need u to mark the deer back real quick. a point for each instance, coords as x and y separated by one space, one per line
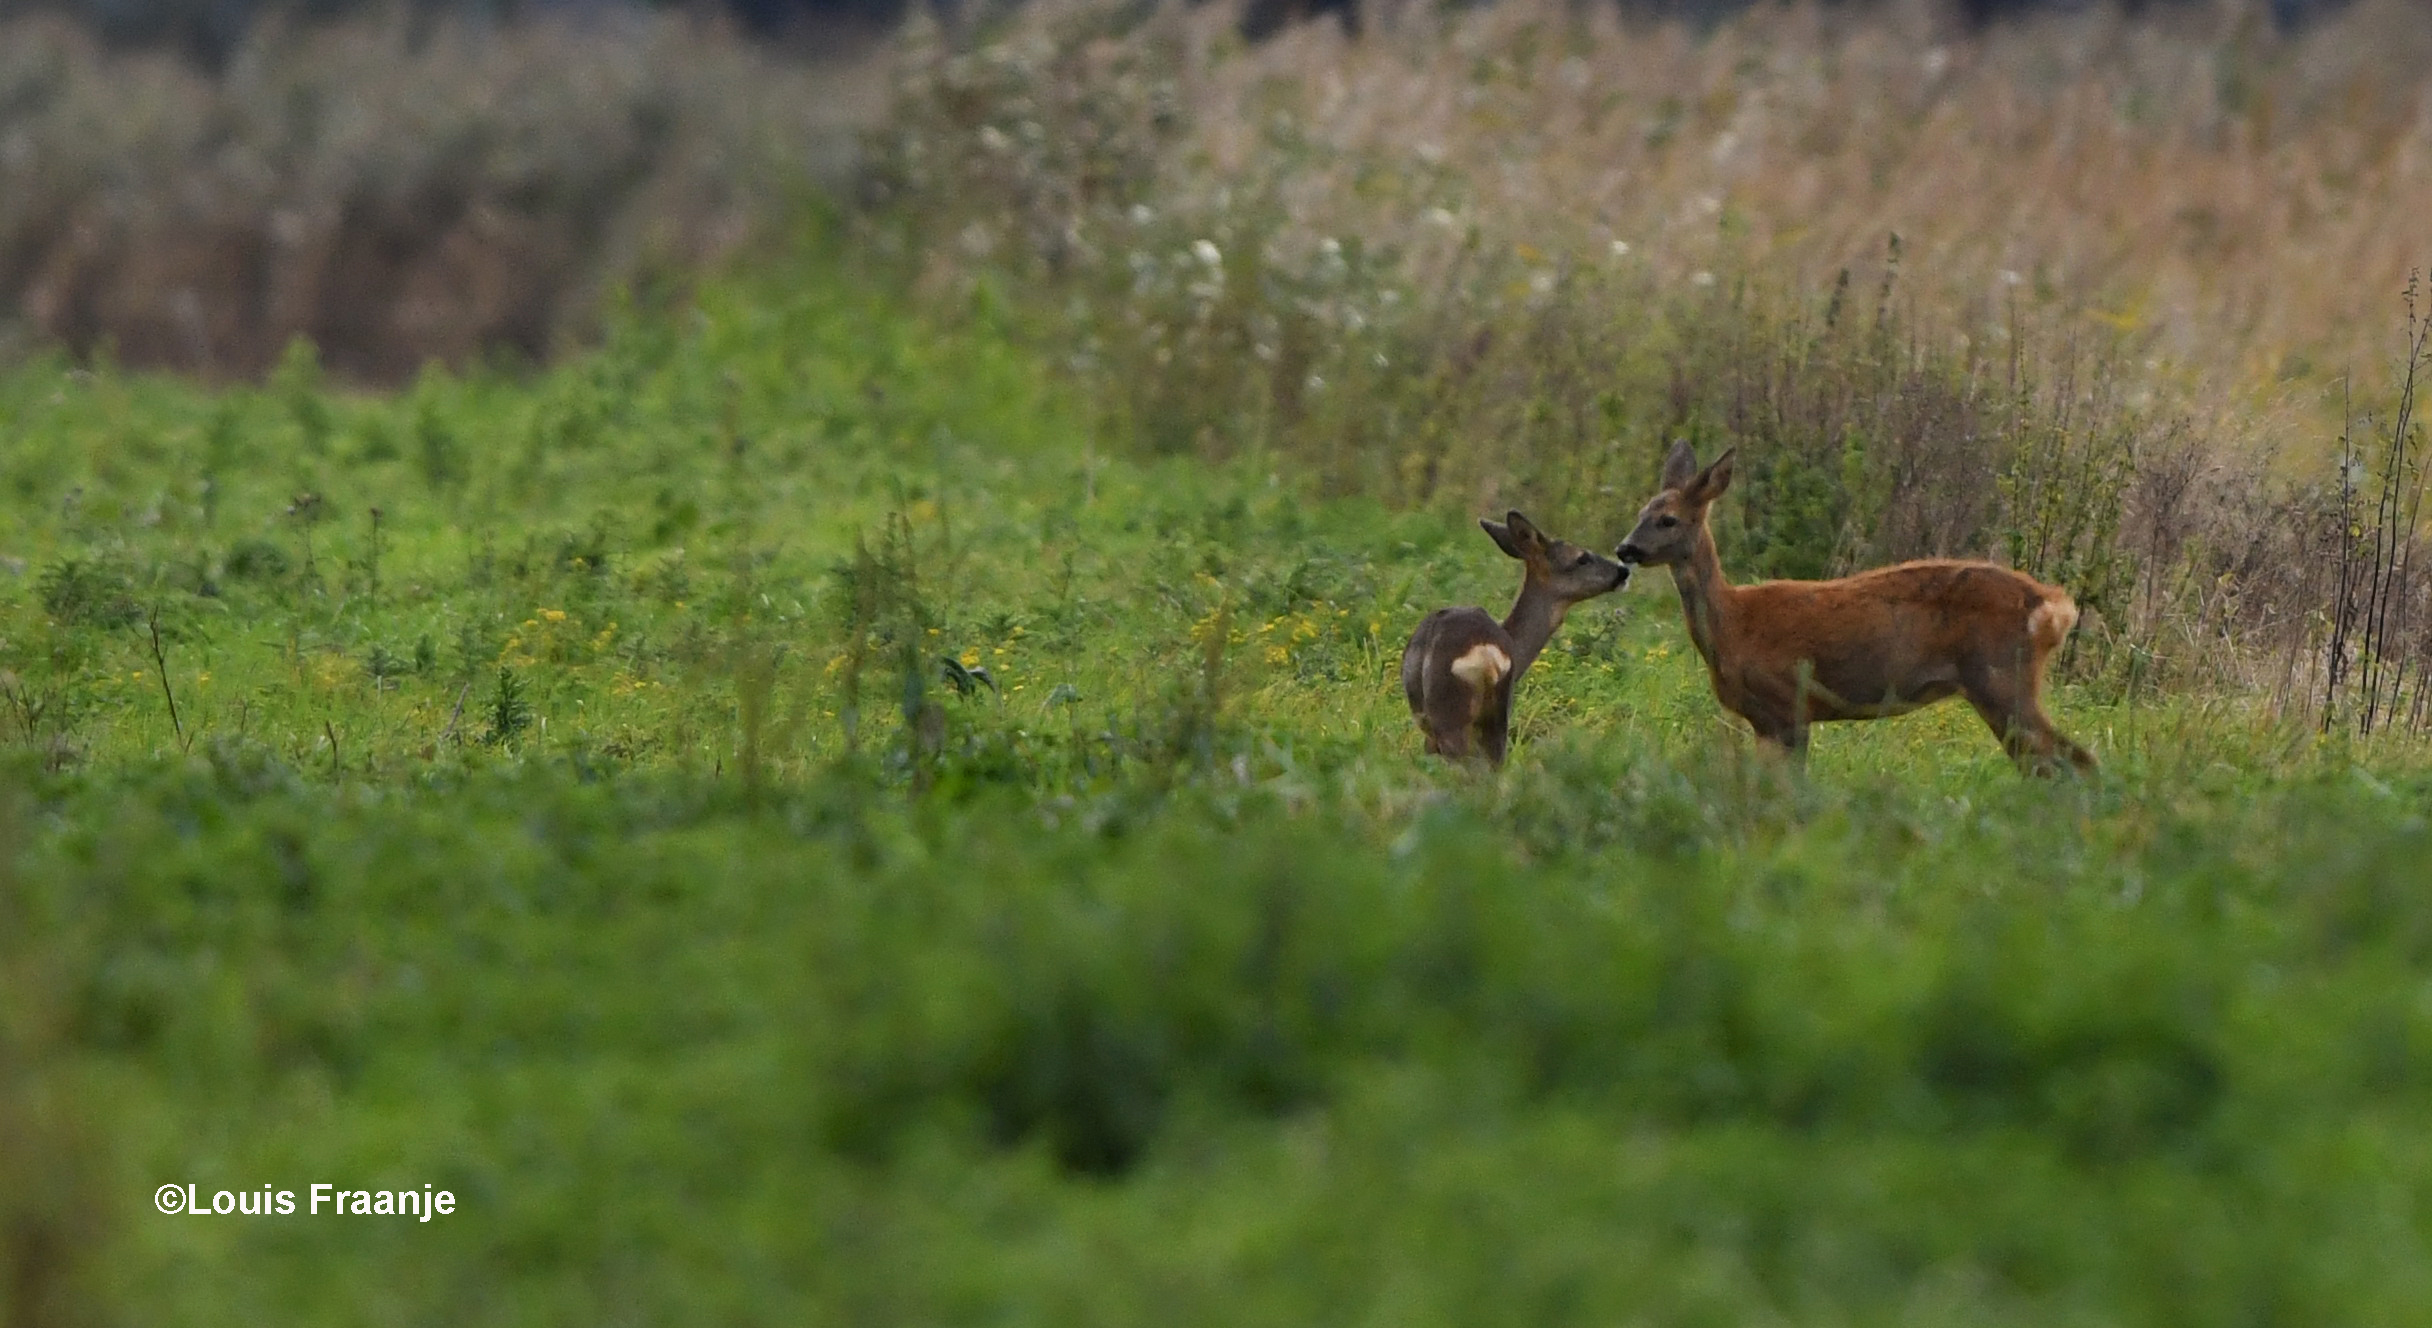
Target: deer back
1914 630
1455 648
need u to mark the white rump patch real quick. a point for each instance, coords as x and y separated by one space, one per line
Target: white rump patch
1482 665
2051 620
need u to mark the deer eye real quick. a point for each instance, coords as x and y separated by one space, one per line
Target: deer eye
1667 521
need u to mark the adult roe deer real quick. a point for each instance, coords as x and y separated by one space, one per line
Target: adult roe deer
1461 666
1786 654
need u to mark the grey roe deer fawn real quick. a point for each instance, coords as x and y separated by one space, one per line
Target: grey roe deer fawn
1461 666
1786 654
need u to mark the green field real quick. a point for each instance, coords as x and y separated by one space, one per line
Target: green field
568 803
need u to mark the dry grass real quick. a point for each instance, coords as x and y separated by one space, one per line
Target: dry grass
397 192
2245 207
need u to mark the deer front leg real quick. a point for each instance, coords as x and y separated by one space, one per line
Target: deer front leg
1777 729
1788 739
1778 719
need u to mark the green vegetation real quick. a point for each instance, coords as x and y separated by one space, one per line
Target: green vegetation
879 791
788 824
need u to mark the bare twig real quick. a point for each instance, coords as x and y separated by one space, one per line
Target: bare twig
336 767
375 558
458 713
2371 650
27 707
2402 429
160 660
2343 606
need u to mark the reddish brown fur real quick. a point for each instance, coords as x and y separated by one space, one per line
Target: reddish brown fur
1462 718
1786 654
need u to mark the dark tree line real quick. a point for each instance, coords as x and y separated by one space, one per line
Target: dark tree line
208 30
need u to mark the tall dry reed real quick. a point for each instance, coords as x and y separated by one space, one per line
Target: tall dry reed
397 190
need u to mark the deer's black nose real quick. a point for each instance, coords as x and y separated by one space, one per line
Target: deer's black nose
1630 553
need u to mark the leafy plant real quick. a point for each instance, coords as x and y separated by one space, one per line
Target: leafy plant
510 712
98 592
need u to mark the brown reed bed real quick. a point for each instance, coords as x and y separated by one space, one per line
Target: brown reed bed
398 191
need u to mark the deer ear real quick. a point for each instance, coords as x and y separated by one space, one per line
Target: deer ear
1715 478
1524 531
1502 537
1680 466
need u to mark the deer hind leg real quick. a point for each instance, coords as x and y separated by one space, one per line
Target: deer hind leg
1450 721
1431 732
1446 736
2078 757
2005 698
1495 725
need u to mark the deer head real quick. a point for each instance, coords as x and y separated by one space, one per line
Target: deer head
1669 525
1557 568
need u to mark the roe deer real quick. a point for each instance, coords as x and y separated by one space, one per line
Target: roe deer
1461 666
1786 654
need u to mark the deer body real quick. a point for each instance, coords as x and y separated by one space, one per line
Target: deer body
1461 667
1786 654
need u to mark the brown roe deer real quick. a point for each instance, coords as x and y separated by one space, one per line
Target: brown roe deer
1461 666
1786 654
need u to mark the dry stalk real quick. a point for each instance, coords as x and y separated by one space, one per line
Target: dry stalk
160 661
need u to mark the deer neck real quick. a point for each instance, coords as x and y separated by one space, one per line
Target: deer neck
1534 619
1705 596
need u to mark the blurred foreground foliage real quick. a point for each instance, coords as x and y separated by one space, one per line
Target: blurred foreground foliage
2042 1053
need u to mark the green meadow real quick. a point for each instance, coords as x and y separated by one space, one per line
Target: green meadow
789 824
